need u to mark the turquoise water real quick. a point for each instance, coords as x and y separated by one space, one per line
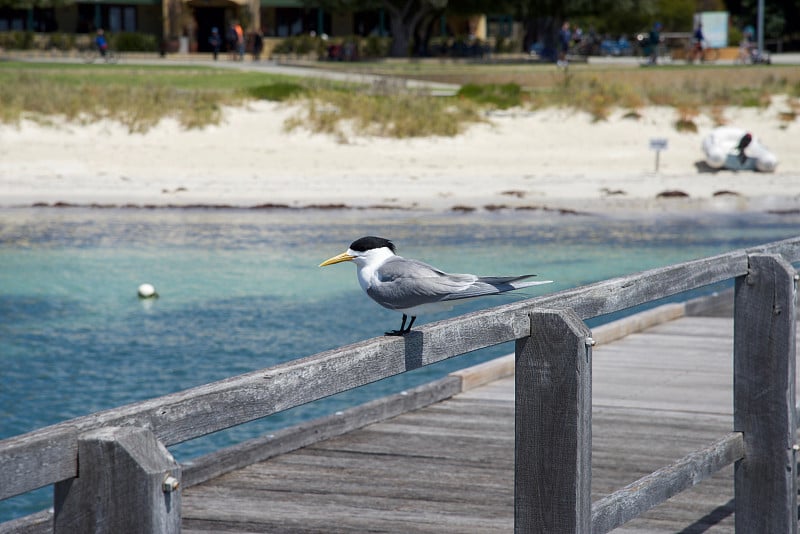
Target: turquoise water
240 290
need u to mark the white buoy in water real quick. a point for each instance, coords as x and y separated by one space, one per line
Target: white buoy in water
147 291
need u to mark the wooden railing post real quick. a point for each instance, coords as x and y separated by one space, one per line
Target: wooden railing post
764 396
127 482
553 473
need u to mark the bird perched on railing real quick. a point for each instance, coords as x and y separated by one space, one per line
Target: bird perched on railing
412 287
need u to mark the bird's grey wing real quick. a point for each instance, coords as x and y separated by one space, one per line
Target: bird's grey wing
407 283
492 285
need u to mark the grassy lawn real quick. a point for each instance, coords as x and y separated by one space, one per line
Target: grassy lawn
140 96
137 96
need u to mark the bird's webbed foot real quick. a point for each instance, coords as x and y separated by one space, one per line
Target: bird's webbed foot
403 330
395 333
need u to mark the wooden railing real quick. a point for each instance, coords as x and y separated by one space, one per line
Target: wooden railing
130 483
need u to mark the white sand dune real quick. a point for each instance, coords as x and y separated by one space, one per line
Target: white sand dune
554 158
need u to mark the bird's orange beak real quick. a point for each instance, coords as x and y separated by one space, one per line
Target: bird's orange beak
344 256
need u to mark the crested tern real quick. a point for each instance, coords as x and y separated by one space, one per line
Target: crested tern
412 287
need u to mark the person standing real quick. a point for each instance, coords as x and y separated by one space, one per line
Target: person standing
698 40
101 42
564 39
215 40
230 38
239 40
258 44
654 40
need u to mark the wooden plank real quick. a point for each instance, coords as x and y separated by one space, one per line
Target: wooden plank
404 467
719 304
325 511
647 492
764 396
553 428
789 249
486 372
39 458
648 370
351 478
450 484
259 449
435 493
621 328
121 487
38 523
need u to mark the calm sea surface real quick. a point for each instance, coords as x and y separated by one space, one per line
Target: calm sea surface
240 290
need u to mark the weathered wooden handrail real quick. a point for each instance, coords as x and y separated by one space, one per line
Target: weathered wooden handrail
553 416
49 455
637 497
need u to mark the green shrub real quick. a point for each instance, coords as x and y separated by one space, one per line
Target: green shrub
505 45
62 41
375 46
301 44
503 96
17 40
134 42
277 92
734 36
396 115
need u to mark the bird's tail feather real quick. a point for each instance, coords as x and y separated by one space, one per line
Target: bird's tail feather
496 280
493 285
516 282
520 285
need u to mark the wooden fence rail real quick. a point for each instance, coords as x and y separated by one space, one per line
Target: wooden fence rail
764 324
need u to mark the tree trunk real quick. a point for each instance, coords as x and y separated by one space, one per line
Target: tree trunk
403 23
401 38
542 30
423 37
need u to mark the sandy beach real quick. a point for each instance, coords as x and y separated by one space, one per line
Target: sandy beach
553 158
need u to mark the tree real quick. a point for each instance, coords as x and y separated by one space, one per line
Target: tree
676 15
405 18
29 4
543 18
780 17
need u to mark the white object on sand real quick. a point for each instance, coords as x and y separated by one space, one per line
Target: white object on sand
728 147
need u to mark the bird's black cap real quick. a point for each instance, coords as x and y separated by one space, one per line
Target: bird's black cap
371 242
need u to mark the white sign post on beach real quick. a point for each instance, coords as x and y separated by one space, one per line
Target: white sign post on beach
658 144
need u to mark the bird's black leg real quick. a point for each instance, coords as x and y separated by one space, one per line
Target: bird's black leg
403 330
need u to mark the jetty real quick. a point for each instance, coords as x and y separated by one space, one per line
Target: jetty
679 418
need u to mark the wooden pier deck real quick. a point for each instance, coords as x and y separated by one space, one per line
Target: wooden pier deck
658 394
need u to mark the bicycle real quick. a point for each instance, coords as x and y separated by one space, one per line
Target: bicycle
92 54
750 55
696 51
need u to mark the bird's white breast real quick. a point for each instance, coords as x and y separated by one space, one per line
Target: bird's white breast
368 265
